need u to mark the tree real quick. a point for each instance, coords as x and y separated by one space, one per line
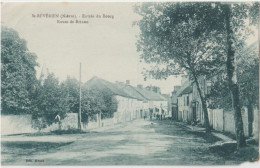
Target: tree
95 101
224 19
110 105
18 76
51 101
172 43
248 81
231 74
70 88
247 74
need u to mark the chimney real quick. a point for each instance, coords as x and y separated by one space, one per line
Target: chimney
127 82
140 86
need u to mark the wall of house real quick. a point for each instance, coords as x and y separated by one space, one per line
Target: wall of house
204 85
128 109
184 108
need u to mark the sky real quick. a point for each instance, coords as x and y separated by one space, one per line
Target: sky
105 46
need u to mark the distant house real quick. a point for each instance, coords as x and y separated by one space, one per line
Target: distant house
125 101
133 102
157 104
140 104
196 100
184 104
169 109
174 102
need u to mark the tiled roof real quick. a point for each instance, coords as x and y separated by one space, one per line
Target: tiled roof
102 84
186 90
130 90
167 96
150 95
124 90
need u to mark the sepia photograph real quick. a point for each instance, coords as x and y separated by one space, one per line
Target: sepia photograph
129 83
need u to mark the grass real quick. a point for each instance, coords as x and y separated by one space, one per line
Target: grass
56 132
69 131
229 151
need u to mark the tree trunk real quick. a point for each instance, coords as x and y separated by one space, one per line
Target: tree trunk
204 106
232 81
250 118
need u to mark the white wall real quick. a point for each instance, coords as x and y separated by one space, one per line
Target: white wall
16 124
185 111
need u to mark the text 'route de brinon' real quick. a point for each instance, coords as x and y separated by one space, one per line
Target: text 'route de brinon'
72 18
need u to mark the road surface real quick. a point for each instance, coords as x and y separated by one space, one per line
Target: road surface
137 142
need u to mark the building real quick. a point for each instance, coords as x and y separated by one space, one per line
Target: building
156 103
133 102
169 109
184 104
174 102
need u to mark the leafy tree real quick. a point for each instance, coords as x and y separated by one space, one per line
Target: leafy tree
248 78
71 89
93 101
98 101
247 75
18 76
223 19
50 102
234 27
172 43
218 97
111 106
248 81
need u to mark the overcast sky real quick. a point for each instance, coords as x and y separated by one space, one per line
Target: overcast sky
105 46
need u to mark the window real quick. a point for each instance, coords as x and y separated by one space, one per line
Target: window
187 100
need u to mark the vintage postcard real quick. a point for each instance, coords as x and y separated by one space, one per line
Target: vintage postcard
129 83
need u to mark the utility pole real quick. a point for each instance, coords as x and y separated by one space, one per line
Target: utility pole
79 116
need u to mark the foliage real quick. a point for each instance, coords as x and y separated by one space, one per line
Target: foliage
45 98
95 101
18 76
70 88
50 102
177 37
172 42
219 96
248 79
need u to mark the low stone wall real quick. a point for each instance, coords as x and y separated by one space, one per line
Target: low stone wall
69 122
16 124
224 121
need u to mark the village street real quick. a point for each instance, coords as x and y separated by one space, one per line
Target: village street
133 143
